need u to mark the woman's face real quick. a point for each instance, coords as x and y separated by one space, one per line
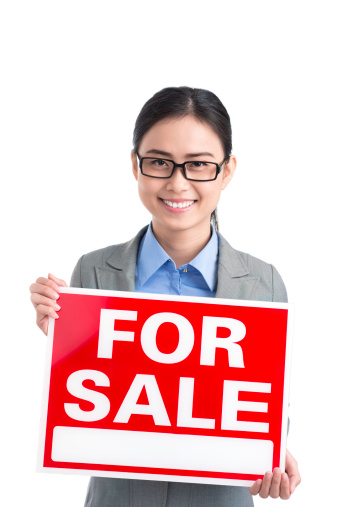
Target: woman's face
181 139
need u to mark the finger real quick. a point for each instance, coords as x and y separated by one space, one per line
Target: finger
43 311
60 282
38 299
39 281
294 482
44 290
47 282
43 327
42 323
275 483
285 487
291 467
266 484
255 488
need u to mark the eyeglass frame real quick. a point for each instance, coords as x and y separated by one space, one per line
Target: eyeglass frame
218 167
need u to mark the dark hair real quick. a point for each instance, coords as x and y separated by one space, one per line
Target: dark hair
176 102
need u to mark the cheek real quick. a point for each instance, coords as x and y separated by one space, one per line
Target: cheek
147 189
212 196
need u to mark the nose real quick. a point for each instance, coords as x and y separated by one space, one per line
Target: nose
178 182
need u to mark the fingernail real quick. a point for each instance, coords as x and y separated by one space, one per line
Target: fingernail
57 307
284 477
56 295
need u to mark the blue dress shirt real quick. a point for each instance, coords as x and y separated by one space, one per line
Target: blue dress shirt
156 271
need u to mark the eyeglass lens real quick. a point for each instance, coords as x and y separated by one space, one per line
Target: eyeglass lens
196 170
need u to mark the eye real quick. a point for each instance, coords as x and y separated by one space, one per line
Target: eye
158 162
197 165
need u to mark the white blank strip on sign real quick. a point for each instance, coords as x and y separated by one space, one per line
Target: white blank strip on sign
161 450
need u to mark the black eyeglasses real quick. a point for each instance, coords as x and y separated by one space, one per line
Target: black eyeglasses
194 170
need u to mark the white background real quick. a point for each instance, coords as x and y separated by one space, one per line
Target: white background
74 76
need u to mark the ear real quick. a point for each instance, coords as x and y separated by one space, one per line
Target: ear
134 163
228 171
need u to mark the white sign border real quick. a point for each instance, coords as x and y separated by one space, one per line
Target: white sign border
164 297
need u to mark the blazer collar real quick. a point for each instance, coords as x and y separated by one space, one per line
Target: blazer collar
233 281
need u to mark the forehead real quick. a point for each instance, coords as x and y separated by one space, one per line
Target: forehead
181 136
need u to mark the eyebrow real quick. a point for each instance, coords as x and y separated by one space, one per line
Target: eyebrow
167 154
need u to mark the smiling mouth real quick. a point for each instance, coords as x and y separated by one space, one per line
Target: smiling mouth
182 204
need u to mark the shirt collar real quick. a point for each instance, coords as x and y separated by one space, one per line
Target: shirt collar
151 257
206 261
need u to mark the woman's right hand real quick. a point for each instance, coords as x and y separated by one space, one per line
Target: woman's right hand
44 296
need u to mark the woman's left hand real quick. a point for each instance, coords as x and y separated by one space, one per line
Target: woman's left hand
278 484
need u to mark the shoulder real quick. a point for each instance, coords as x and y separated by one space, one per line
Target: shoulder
268 282
116 256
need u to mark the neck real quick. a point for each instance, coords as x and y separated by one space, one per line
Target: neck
182 246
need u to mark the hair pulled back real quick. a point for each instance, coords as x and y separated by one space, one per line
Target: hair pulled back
178 102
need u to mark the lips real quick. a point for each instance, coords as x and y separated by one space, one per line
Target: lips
178 204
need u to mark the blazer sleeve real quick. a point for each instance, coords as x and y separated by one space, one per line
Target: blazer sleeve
75 280
279 293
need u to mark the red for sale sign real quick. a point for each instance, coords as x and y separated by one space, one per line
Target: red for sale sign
149 386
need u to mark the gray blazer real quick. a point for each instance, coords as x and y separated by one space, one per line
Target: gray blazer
240 276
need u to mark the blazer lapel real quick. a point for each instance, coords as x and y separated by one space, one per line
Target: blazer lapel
119 274
233 281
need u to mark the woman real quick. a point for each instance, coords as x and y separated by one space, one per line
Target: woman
182 162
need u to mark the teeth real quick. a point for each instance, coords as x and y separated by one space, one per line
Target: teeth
184 204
